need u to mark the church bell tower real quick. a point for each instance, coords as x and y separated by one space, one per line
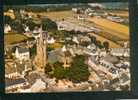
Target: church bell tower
41 51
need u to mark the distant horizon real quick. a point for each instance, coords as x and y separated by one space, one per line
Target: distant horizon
106 5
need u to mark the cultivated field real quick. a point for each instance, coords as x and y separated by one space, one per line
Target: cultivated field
59 15
119 13
113 28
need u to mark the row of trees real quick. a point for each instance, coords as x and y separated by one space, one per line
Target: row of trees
105 44
76 73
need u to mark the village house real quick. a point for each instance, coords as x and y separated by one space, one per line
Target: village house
102 53
115 19
64 84
84 39
12 85
22 53
109 60
11 71
75 10
7 28
36 32
50 40
81 17
27 29
69 26
92 46
120 52
75 39
51 81
90 52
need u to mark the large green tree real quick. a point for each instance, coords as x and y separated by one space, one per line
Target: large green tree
48 24
79 70
17 26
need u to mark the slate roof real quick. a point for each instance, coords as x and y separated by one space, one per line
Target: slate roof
124 78
55 56
10 82
52 57
23 50
111 59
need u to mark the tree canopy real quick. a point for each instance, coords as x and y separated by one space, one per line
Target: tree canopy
49 25
76 73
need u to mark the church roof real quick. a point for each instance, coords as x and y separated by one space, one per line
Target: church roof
22 50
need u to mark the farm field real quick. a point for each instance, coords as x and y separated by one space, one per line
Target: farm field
119 13
115 29
14 38
59 15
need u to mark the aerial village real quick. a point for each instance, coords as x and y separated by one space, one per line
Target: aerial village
80 48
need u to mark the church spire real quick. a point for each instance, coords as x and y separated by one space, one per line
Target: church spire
41 57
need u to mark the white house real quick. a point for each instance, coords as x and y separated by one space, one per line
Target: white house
120 52
92 46
22 53
127 53
75 9
75 39
80 17
115 19
102 53
50 40
7 28
27 29
36 30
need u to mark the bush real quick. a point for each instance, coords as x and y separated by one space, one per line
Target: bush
33 50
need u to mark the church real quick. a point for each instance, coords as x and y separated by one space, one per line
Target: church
40 60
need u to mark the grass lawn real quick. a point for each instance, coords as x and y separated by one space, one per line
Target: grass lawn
12 38
55 45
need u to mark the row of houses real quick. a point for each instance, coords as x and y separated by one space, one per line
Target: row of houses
124 52
65 25
12 85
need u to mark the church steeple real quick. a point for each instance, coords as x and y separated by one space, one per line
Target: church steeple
41 57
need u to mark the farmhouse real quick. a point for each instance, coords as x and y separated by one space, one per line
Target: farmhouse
22 53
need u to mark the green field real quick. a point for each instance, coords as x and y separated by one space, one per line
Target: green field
12 38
